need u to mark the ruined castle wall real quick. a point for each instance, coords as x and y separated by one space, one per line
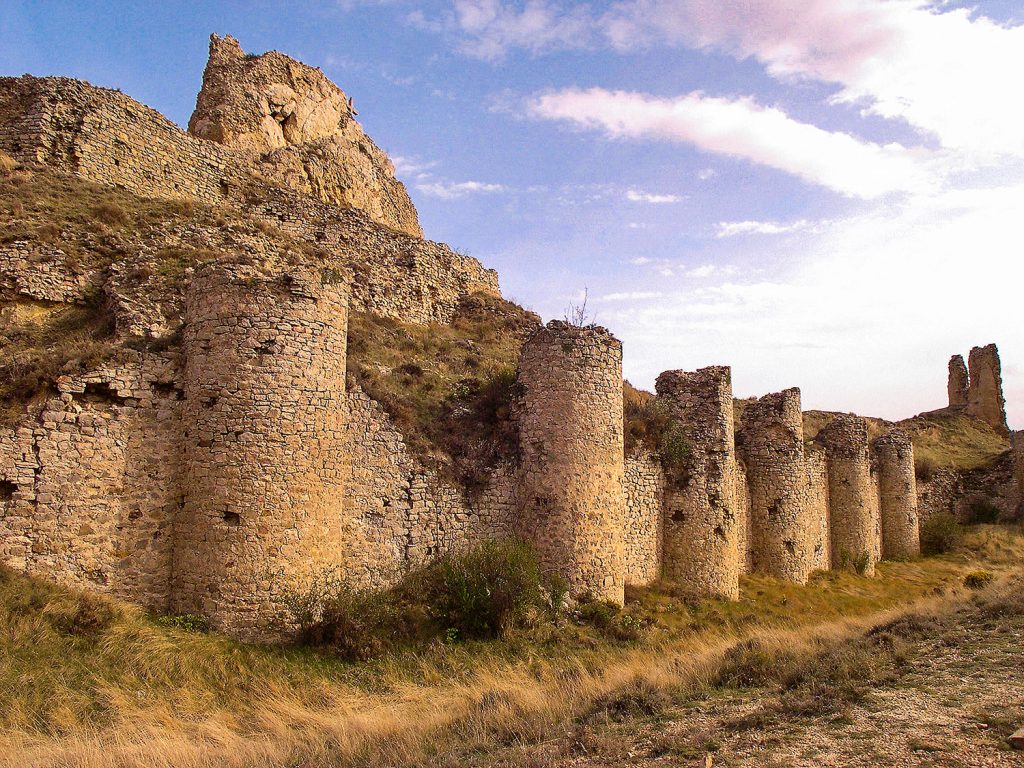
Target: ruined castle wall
744 523
92 486
701 549
644 487
901 538
853 502
938 494
264 415
957 382
572 464
772 445
985 391
1018 471
818 516
106 137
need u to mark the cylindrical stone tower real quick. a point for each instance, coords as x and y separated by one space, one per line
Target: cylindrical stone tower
853 505
771 442
701 537
897 493
264 390
572 463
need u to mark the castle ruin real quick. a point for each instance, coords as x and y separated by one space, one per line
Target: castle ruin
230 459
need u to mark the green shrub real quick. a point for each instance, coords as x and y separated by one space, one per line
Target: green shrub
941 533
609 618
481 591
983 512
475 594
978 579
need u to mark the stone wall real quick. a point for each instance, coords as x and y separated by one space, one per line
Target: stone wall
106 137
572 464
853 504
701 529
771 442
938 494
818 515
894 455
89 491
264 411
645 489
744 532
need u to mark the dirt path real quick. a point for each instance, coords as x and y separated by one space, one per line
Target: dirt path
958 695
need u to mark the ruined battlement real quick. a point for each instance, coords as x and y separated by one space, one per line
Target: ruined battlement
221 456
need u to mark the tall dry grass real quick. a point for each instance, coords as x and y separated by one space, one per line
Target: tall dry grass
193 701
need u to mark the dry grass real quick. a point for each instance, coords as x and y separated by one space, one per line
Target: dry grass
448 388
947 438
123 691
41 341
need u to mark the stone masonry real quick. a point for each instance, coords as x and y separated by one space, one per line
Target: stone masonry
228 465
894 455
264 389
771 441
701 529
573 506
957 384
985 390
853 502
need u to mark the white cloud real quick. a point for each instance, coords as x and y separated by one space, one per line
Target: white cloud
490 28
451 190
948 72
705 174
631 296
863 314
733 228
742 128
410 166
639 196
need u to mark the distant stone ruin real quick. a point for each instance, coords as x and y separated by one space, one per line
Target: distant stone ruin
229 460
979 389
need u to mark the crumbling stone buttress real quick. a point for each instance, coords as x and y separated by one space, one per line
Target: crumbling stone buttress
894 456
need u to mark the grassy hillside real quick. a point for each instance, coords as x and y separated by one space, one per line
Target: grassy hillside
950 438
87 682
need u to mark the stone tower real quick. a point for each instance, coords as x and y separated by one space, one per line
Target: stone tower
701 537
572 463
985 392
264 390
771 442
901 537
853 506
957 382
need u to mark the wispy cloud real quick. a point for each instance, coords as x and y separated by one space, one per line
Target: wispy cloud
639 196
733 228
741 128
452 190
631 296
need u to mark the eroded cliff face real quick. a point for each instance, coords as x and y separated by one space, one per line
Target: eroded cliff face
301 128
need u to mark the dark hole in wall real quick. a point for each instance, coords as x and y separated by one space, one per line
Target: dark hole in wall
102 393
720 532
232 518
267 347
167 389
209 402
7 490
225 188
678 516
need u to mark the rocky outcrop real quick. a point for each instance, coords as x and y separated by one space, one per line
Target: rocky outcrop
302 129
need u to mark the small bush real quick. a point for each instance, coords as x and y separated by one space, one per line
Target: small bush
7 164
476 594
482 591
85 615
978 579
924 468
983 512
940 534
110 213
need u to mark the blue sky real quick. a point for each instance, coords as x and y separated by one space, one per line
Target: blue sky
820 193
